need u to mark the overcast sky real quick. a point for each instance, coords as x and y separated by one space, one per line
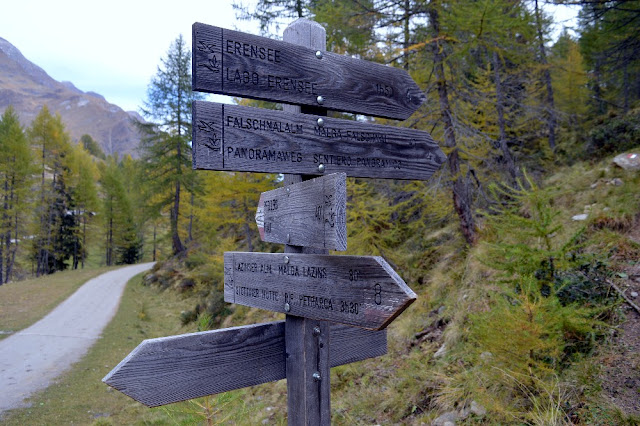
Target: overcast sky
114 47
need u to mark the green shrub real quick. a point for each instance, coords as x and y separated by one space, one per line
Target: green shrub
614 135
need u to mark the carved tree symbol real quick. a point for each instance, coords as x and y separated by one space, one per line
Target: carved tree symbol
212 63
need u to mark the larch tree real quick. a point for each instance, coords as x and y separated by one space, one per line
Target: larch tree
16 171
121 240
83 175
166 150
51 144
549 110
610 44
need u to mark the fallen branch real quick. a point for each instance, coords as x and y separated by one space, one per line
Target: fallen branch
624 296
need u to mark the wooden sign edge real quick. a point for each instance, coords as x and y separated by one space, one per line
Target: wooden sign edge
353 344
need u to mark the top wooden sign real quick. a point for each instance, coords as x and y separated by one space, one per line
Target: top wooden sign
239 64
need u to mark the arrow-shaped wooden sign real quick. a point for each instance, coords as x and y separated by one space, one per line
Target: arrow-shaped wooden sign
363 291
239 64
312 213
171 369
238 138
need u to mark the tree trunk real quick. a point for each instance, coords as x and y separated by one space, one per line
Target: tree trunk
110 235
461 195
84 239
175 211
154 242
506 153
190 235
406 34
15 246
546 77
625 86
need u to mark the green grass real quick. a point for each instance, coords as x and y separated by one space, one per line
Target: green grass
22 303
79 396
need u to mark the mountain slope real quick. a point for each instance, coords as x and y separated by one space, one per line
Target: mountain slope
28 87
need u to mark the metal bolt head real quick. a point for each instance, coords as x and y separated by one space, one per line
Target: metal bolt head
316 376
320 100
321 168
288 238
287 307
286 259
318 54
316 331
288 191
320 122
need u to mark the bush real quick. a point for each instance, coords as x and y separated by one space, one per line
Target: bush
613 136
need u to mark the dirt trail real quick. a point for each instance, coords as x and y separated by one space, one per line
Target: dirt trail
33 357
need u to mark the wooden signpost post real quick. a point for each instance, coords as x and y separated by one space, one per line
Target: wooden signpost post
329 301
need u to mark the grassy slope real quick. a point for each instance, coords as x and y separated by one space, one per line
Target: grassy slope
23 303
408 386
80 397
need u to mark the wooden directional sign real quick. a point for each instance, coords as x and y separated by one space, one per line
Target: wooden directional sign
312 213
237 138
363 291
171 369
239 64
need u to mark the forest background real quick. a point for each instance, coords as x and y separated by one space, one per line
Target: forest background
522 119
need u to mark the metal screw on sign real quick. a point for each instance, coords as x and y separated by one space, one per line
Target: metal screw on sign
316 331
316 377
318 54
320 122
320 100
287 307
321 168
286 259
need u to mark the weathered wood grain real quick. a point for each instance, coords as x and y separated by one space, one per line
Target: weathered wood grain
312 213
362 291
306 404
239 64
171 369
239 138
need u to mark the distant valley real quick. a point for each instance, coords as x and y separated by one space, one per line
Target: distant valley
28 87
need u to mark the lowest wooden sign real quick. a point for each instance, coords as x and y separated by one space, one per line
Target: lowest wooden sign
176 368
238 64
238 138
363 291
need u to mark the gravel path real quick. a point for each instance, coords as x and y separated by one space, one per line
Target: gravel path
33 357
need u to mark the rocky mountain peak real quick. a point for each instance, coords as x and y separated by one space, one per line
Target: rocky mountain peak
27 87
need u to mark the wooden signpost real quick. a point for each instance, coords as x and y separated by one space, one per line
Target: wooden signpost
308 214
172 369
239 64
363 291
329 301
238 138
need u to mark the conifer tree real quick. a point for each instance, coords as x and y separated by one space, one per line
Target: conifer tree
610 44
166 149
83 175
16 171
122 242
51 144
